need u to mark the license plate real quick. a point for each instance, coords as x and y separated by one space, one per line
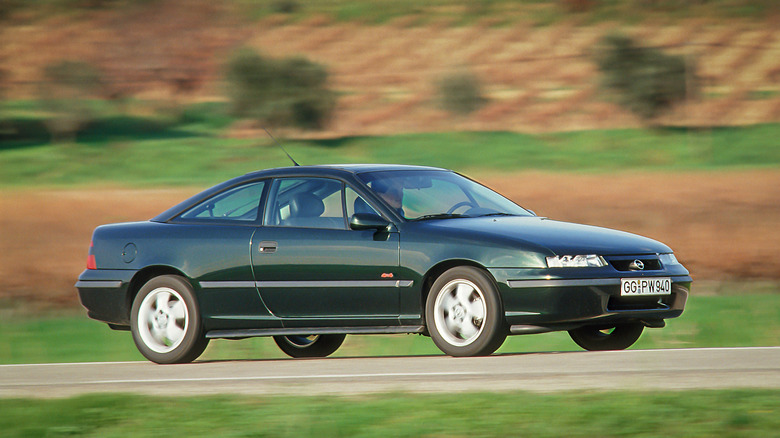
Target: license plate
645 286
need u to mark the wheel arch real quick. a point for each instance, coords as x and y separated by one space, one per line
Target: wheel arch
143 276
438 269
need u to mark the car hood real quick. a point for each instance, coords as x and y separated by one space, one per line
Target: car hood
562 238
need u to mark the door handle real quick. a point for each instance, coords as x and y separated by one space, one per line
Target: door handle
268 246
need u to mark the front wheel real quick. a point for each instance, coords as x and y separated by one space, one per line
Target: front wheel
618 337
309 346
464 313
165 321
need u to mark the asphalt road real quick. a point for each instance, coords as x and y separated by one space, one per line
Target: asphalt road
631 369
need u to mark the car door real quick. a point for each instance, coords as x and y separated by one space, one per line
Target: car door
312 270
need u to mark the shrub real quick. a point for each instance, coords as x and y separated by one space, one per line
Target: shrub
5 128
8 7
460 93
285 6
280 92
4 86
578 5
645 80
65 93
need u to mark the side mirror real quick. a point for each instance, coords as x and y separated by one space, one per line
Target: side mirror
368 221
531 211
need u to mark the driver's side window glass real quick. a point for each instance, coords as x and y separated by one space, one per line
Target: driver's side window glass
238 204
306 203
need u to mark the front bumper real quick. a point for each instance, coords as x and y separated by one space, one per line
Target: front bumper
544 304
103 292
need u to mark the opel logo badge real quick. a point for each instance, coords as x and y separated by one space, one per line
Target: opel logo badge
636 265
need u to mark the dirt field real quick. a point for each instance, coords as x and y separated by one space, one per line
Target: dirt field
723 226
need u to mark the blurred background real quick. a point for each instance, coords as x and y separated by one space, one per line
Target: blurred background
657 117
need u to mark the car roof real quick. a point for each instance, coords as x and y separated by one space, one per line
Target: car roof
331 169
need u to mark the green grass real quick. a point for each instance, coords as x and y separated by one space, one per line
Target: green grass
192 149
708 321
539 12
763 94
724 413
504 12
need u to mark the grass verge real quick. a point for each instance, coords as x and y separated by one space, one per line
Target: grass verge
194 151
708 321
732 413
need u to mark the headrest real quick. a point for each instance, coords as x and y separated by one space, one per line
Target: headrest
306 205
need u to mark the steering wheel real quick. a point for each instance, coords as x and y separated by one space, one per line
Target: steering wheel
459 205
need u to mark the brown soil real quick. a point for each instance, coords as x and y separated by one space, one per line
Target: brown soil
723 226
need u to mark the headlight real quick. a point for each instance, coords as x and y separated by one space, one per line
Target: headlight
668 259
576 261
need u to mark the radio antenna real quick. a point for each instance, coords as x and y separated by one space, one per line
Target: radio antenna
282 147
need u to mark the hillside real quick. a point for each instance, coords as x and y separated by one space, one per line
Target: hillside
159 56
538 78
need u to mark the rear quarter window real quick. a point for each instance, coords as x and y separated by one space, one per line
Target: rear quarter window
240 204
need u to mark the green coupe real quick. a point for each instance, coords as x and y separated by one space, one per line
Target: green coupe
309 254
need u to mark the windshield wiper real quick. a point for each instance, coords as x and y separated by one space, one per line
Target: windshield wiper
497 214
439 216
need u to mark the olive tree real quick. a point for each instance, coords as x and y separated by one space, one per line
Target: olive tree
65 93
289 92
460 93
645 80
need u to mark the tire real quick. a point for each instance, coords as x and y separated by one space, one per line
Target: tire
165 321
464 314
595 338
309 346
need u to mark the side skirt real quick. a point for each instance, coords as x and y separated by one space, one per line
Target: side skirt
249 333
525 329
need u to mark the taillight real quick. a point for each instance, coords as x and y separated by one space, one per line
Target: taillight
91 264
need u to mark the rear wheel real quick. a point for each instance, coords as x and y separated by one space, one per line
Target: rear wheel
309 346
165 321
464 314
596 338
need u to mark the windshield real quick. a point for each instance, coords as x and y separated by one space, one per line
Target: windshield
433 194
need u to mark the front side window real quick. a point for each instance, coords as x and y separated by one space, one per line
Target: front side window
237 204
306 203
356 203
424 194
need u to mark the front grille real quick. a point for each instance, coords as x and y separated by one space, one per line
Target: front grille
624 264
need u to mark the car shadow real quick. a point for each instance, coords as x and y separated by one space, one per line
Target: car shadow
346 358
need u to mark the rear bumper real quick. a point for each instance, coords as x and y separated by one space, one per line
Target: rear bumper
562 304
103 292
